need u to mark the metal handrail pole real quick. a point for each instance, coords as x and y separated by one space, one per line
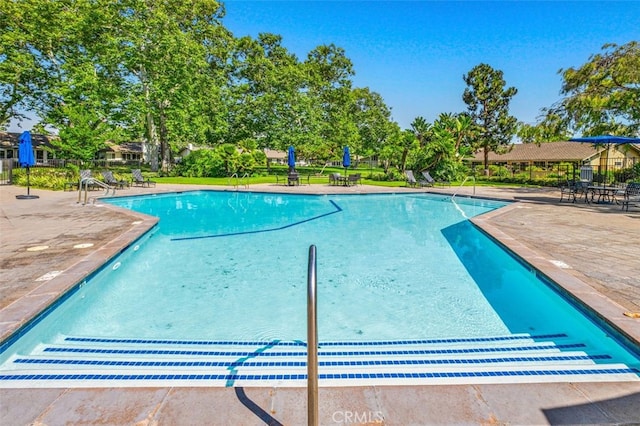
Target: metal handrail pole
312 341
86 191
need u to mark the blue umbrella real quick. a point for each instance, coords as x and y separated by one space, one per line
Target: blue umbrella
26 159
25 151
606 140
346 158
291 158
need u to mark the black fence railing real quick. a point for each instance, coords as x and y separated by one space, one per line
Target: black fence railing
7 165
614 170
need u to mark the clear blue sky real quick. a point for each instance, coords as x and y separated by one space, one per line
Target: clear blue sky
414 53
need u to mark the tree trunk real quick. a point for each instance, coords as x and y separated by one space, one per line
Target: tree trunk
164 143
486 161
152 136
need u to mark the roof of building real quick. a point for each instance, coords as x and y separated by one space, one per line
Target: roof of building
124 147
272 153
550 151
12 139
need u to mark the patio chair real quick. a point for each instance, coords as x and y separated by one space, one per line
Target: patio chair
431 181
354 179
586 174
631 195
75 184
411 179
334 179
568 190
139 180
109 179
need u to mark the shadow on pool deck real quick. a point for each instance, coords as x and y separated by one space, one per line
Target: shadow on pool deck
591 250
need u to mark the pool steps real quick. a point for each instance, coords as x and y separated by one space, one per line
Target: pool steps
97 362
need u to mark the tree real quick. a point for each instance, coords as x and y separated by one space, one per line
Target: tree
372 118
170 52
267 99
448 142
488 106
549 130
329 72
603 95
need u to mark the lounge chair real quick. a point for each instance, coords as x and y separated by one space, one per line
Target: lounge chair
84 175
139 180
431 181
109 179
411 179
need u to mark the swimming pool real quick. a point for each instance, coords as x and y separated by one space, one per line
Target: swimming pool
231 267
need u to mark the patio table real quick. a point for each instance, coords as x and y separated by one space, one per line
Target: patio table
606 194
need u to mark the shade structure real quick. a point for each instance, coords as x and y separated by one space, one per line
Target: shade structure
291 158
26 159
346 157
607 140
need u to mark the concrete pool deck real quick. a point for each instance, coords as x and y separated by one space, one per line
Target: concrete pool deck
590 250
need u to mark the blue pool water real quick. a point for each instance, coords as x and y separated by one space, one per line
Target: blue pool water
230 265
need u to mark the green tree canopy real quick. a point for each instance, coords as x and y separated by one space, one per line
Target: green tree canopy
602 96
487 102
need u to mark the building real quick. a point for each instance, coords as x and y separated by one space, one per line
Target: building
126 152
548 155
44 151
42 148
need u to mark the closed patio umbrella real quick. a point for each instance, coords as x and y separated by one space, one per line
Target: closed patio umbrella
291 158
607 140
26 159
346 159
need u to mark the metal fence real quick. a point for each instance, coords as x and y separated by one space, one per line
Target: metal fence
6 168
7 165
615 170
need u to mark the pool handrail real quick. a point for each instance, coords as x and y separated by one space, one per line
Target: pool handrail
312 341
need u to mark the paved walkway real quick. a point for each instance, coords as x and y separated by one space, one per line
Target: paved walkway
591 250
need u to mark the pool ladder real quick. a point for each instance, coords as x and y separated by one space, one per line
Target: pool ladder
84 185
244 180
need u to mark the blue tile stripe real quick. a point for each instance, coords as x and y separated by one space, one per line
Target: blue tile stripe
325 376
301 343
53 361
322 353
259 231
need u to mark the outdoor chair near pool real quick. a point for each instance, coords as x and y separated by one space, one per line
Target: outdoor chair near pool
411 179
354 179
431 181
586 174
84 176
109 179
574 190
631 195
139 180
334 179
